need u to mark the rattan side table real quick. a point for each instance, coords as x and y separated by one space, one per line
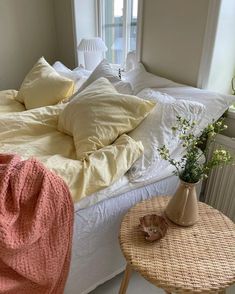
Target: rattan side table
197 259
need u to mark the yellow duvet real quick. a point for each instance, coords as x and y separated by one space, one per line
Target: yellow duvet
34 133
8 102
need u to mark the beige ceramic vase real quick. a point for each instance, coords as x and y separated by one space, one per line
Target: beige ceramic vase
182 208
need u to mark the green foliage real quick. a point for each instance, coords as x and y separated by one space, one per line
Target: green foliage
190 167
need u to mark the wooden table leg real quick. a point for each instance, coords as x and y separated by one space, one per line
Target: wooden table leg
125 280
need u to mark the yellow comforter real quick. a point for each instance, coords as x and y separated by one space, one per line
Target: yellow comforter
8 102
34 133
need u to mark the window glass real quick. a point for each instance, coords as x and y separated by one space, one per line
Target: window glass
133 28
113 29
119 28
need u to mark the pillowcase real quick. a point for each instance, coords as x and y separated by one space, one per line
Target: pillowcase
140 79
82 71
99 114
215 103
78 75
155 131
61 68
105 70
154 94
43 86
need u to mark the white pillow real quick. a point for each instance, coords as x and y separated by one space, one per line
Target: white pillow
78 76
141 79
105 70
82 71
155 131
154 94
215 103
60 67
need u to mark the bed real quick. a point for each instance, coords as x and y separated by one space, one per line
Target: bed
98 216
96 256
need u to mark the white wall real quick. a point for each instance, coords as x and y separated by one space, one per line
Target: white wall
173 33
223 59
27 31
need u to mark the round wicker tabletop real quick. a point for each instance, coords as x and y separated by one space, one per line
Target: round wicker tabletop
197 259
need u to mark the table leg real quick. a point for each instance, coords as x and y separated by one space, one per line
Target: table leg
125 280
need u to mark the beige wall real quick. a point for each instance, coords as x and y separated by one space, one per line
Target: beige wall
64 28
173 32
27 31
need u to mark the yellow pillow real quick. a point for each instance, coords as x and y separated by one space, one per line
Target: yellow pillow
43 86
99 114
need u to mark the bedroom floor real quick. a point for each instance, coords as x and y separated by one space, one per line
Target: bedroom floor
137 285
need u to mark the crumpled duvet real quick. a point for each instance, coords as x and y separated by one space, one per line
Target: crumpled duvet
34 133
8 103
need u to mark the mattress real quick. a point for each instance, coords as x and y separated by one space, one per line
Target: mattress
96 256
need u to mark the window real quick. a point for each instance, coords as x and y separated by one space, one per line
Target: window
118 28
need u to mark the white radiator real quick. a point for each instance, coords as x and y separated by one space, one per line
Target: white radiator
220 185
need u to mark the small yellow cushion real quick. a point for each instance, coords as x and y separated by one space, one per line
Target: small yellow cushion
43 86
99 114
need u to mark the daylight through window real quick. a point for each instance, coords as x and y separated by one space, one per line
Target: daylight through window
118 27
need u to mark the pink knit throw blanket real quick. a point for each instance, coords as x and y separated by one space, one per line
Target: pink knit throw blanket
36 223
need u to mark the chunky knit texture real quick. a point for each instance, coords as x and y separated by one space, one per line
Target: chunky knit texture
36 223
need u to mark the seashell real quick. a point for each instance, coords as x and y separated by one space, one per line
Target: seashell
153 226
